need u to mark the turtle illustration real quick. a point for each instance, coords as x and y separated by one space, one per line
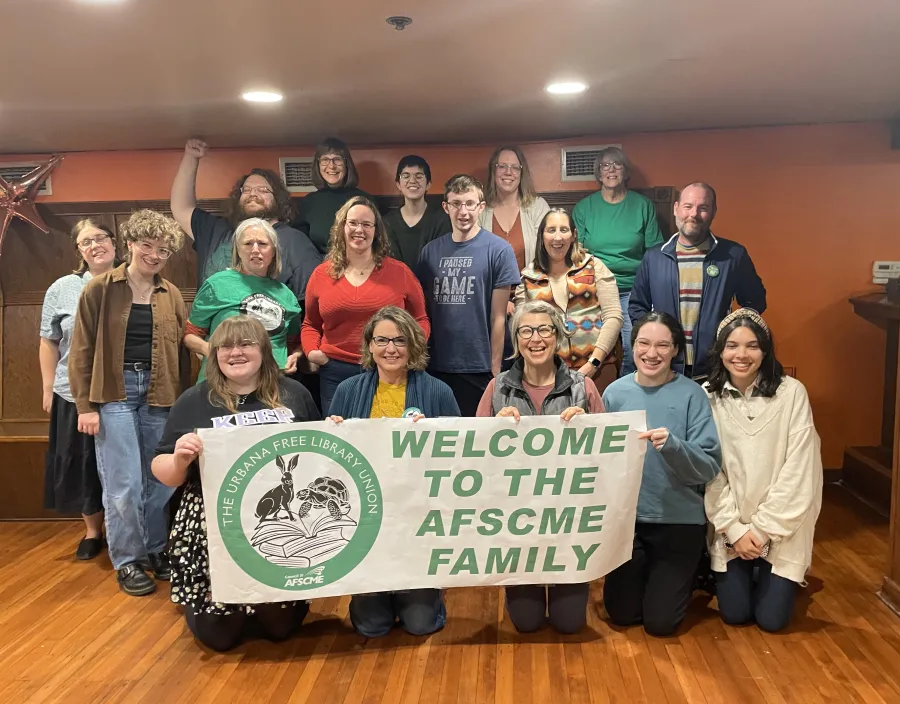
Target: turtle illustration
325 492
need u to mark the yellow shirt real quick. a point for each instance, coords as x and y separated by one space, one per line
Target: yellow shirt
389 401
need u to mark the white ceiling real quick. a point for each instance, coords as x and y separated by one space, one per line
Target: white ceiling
149 73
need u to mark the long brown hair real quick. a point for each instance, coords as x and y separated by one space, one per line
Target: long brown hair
574 257
232 331
527 194
283 207
337 243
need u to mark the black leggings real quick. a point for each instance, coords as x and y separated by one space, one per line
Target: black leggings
655 586
221 633
529 605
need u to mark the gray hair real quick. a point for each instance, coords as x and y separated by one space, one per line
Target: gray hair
535 308
265 226
615 154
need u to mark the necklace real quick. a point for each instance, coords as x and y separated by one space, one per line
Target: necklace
362 272
242 399
134 288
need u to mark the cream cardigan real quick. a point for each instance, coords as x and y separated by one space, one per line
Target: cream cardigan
771 480
531 218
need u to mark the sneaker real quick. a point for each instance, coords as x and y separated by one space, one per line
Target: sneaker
134 581
89 548
160 566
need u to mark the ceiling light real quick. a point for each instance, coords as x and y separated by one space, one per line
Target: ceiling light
262 96
568 88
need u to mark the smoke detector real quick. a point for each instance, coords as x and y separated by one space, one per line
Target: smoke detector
399 22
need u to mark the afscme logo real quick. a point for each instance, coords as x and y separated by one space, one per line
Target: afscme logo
317 571
312 577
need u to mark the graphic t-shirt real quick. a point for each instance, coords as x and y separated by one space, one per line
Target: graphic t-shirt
231 293
459 279
193 410
389 401
212 242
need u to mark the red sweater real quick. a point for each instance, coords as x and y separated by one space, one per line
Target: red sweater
337 311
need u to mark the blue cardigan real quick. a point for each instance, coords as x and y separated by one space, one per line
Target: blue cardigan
353 397
656 288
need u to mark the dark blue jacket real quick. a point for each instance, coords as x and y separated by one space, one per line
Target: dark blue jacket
353 397
656 288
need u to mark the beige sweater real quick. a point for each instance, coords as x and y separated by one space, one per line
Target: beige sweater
771 480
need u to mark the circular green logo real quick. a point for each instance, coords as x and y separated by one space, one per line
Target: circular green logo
305 531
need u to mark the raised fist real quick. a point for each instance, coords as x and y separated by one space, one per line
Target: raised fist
196 148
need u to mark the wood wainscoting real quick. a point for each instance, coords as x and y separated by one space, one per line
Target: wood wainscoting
32 260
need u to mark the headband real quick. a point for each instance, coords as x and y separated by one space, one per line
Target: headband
744 313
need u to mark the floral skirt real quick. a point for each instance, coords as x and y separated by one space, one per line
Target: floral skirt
189 554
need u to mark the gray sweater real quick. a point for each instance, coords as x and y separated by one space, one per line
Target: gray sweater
674 477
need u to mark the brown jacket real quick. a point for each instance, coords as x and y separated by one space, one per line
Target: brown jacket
97 353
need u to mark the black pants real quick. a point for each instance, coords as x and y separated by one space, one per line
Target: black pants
467 389
221 633
654 587
529 604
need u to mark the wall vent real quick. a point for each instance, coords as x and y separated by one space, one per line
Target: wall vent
18 169
296 172
578 162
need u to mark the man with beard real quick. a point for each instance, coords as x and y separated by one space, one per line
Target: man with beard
259 194
695 276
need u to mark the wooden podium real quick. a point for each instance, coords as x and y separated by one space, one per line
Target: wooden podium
868 470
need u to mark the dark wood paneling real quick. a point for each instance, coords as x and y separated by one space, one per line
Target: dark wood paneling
21 371
22 479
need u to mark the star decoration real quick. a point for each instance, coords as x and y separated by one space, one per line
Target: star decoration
17 197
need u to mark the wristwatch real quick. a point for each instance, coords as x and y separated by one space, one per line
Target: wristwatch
595 362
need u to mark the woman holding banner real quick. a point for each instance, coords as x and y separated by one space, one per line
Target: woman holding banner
394 385
540 383
242 376
764 505
655 585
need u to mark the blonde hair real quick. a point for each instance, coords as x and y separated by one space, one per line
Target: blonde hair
337 243
275 265
416 345
232 331
78 229
150 225
527 194
536 308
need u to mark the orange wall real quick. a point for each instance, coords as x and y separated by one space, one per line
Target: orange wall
814 205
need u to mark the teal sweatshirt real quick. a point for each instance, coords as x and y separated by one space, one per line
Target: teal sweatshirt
674 477
619 233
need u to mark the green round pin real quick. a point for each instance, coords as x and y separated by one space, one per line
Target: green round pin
712 270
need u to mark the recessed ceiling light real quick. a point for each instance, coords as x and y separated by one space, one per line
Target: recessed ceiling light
262 96
567 88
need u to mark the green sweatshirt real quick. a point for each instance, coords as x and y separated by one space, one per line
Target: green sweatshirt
316 211
618 233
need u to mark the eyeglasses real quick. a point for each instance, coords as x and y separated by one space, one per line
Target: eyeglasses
610 165
419 178
469 205
526 332
243 345
644 345
262 190
89 242
514 168
148 248
380 341
326 160
366 226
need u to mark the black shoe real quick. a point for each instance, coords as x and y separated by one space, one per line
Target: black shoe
89 548
134 581
160 566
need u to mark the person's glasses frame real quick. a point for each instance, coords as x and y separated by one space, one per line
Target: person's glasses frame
469 205
382 341
243 345
526 332
147 248
89 242
610 165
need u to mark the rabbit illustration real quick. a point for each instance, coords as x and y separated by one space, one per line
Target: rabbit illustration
279 497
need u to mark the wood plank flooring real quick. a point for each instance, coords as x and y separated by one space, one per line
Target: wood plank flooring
69 635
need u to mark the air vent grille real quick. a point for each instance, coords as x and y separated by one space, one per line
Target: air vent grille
578 162
18 170
296 172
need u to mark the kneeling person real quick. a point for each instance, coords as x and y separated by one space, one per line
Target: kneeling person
540 384
241 374
394 385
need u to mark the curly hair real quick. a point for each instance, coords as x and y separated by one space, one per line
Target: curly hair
78 229
416 345
527 194
337 243
284 206
150 225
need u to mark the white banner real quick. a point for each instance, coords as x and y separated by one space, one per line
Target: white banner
316 509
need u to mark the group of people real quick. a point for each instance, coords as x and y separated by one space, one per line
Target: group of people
490 303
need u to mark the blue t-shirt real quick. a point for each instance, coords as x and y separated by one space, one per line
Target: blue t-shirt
458 279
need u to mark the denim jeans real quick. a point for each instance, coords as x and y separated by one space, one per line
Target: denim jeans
420 612
135 501
330 377
748 591
627 355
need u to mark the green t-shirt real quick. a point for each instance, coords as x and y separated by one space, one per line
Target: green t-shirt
618 233
230 292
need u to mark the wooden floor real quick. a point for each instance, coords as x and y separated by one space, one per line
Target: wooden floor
68 634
